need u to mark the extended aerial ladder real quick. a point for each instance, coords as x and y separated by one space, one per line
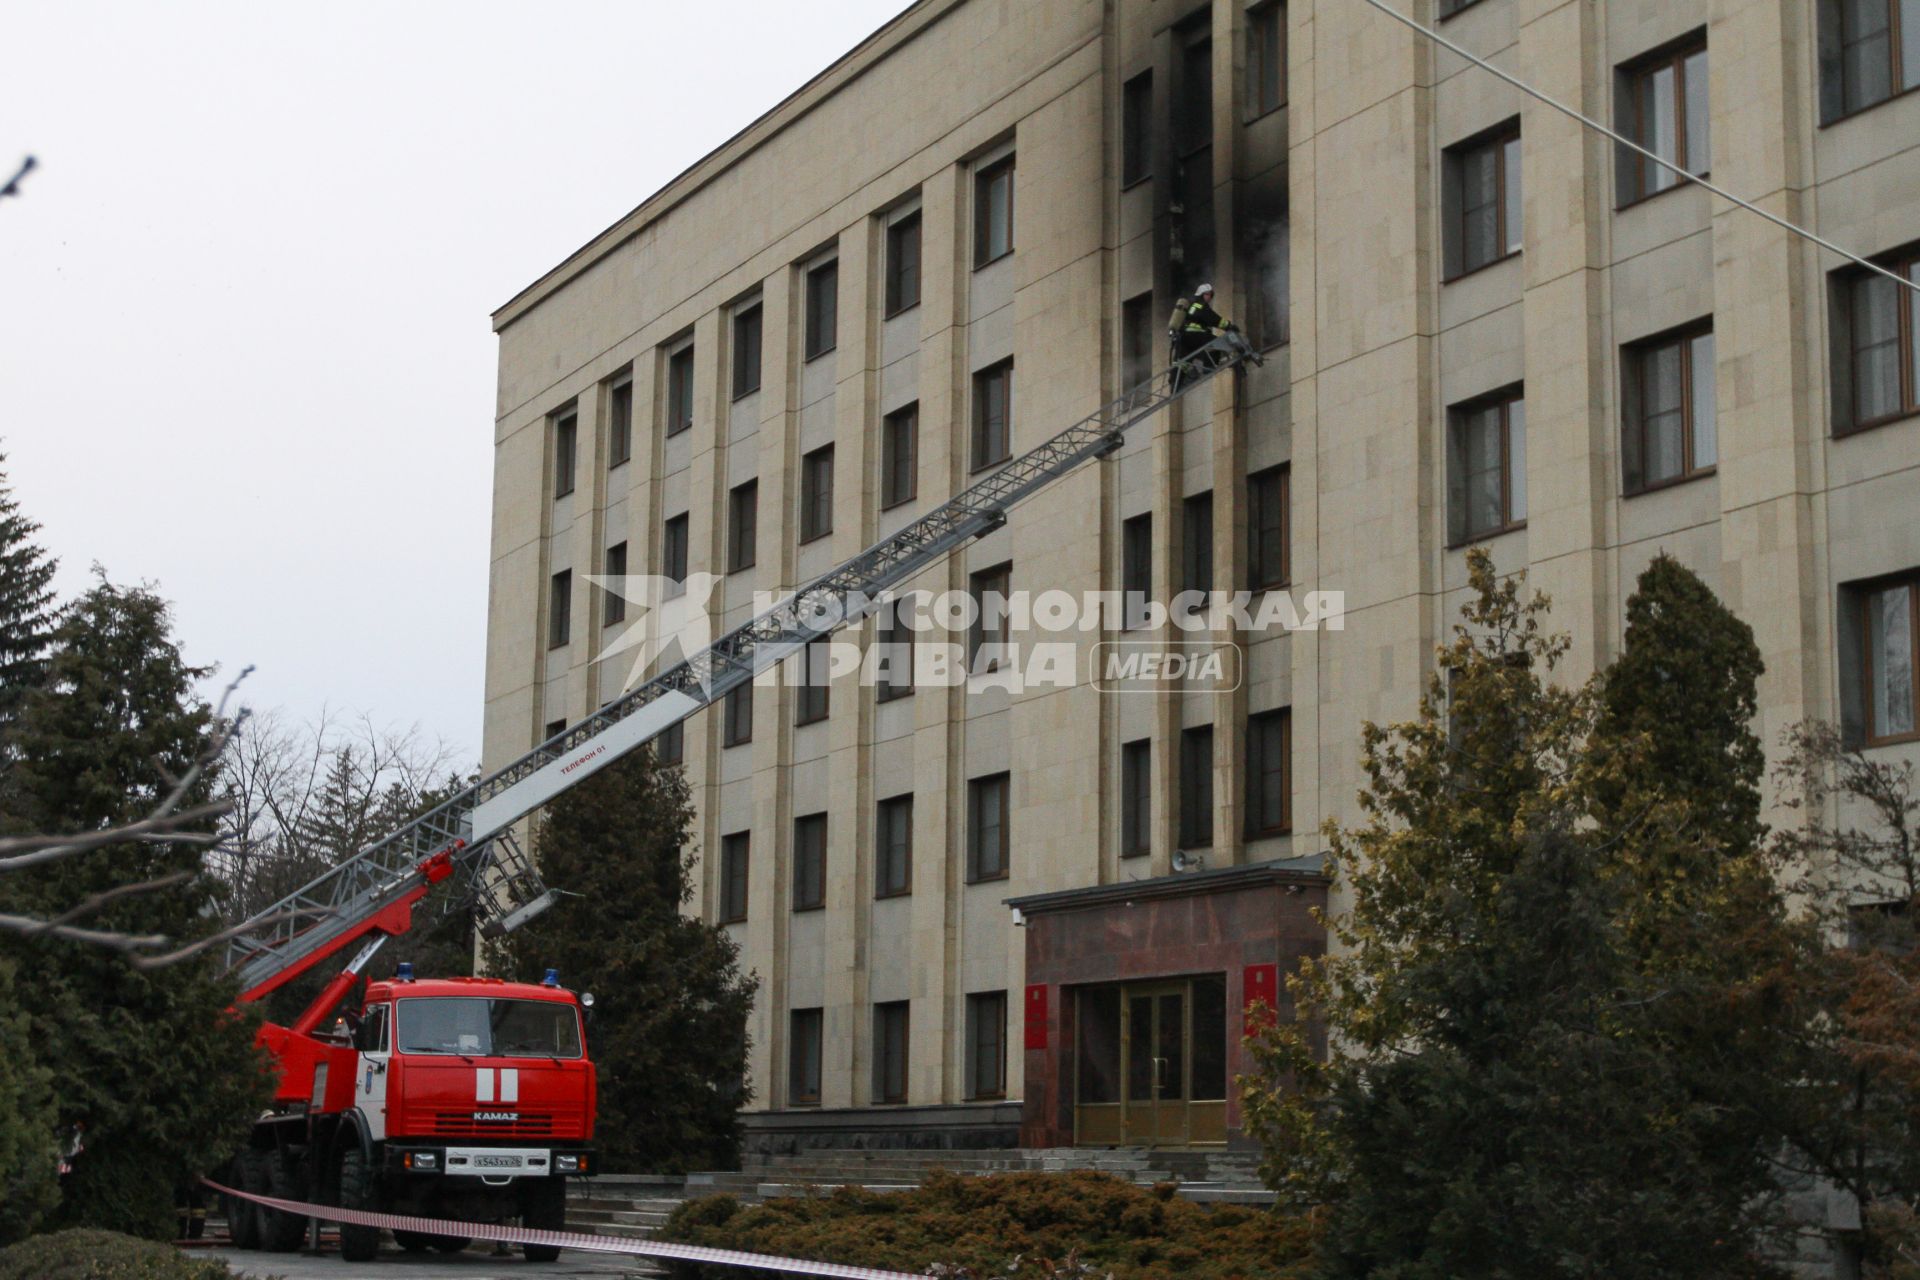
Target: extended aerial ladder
469 838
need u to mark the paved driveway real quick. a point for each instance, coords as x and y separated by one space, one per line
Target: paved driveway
394 1264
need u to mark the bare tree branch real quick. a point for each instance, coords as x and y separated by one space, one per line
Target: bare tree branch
12 188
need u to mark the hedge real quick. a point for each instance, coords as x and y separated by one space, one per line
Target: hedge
1004 1225
84 1253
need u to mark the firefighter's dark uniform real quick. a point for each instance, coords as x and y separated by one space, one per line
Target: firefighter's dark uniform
1197 332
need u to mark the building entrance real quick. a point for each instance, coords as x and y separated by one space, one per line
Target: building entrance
1152 1063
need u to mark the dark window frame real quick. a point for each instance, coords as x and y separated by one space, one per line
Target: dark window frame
899 277
1906 338
816 494
889 629
986 398
670 745
1862 597
743 526
1136 570
892 1045
749 337
806 1036
1832 39
1450 7
620 420
1259 824
896 470
1137 333
676 540
986 1032
986 178
736 868
566 452
813 696
810 862
1196 542
1634 77
1636 368
821 327
1136 798
1136 130
997 578
680 372
1196 787
893 858
1263 515
1458 156
614 605
1259 16
560 610
988 864
1457 418
736 716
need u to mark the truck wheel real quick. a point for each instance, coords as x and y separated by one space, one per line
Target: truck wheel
412 1241
243 1216
544 1209
450 1244
283 1232
357 1244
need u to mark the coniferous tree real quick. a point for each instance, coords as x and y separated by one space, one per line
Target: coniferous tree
26 604
156 1065
29 1154
1540 1062
669 1029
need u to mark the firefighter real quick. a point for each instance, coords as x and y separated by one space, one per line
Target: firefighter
1196 324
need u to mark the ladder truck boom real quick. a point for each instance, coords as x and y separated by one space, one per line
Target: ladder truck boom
469 839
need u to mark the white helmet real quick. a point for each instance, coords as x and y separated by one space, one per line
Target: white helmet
1203 289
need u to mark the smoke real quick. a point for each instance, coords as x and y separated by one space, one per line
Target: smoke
1267 278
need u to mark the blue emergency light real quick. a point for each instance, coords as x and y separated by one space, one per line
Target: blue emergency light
403 972
552 979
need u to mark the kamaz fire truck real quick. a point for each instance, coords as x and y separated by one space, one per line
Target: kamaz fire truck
472 1099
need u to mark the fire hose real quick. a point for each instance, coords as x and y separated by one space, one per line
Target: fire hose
563 1239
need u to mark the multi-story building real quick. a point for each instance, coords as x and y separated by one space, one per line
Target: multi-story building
985 913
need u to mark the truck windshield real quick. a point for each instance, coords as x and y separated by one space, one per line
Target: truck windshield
488 1028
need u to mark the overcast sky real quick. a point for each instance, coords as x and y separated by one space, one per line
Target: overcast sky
244 345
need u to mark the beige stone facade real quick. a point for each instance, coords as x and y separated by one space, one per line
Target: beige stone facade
1388 341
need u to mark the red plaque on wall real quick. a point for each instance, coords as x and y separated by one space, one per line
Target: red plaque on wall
1037 1016
1260 985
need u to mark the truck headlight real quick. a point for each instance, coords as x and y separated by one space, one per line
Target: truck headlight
422 1161
569 1164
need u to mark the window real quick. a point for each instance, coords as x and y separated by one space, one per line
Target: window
992 414
1136 798
1196 543
1887 618
1484 198
1267 496
1668 399
738 727
1664 108
986 1045
733 876
1136 138
816 686
816 494
743 525
899 456
620 422
1869 51
566 433
987 828
1487 469
993 212
803 1058
1266 59
1136 341
616 604
810 862
1193 99
893 637
670 748
823 307
1450 7
1269 773
1136 570
1267 257
1876 337
890 1051
987 639
554 729
1196 787
680 391
560 609
746 351
893 848
903 264
673 552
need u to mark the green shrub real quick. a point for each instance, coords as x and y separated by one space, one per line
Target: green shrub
1005 1225
86 1254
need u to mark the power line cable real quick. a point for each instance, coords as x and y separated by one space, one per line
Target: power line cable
1630 144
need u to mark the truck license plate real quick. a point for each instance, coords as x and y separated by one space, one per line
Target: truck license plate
497 1162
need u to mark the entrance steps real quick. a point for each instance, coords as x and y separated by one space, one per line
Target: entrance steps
635 1205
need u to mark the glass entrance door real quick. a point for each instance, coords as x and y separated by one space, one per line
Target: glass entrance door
1150 1063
